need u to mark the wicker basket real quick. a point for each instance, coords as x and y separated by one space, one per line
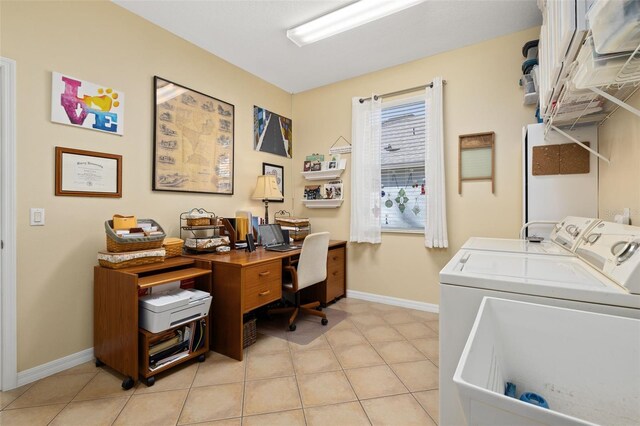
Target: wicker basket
199 221
173 246
116 244
106 263
249 335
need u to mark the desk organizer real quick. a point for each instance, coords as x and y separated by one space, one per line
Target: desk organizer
116 244
298 227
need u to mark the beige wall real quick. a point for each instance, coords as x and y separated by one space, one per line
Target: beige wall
618 182
103 43
100 42
481 94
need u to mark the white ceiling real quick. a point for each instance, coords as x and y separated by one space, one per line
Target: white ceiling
252 34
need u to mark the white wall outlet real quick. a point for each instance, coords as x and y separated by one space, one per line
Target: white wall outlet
37 216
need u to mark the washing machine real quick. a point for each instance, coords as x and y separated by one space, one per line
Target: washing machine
602 277
563 241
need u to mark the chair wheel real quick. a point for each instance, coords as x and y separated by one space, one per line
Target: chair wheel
319 308
324 321
201 358
99 363
127 383
151 380
292 327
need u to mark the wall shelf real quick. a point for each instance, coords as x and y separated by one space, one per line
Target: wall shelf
323 204
323 175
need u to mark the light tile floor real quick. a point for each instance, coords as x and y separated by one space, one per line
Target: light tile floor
378 366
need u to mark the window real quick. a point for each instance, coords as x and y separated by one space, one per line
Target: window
402 162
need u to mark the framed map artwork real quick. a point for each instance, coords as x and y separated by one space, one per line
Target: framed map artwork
193 141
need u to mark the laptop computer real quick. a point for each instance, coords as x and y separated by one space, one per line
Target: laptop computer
272 239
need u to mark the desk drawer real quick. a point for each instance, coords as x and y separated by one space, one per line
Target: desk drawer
335 274
335 261
263 284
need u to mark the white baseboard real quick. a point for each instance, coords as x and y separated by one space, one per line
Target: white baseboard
55 366
395 301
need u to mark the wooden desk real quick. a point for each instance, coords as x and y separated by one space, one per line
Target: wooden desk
244 281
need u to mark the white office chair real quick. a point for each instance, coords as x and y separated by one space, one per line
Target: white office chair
311 269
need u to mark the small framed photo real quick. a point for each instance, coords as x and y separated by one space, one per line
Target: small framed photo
332 165
316 166
87 173
278 172
307 166
312 192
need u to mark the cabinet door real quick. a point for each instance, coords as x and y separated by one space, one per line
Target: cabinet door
335 273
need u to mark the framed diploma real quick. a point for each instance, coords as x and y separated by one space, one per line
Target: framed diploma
88 174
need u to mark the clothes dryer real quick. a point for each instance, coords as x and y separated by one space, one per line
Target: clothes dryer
564 239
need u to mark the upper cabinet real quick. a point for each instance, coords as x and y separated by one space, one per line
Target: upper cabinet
589 59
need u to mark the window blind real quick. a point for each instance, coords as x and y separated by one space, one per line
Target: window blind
402 164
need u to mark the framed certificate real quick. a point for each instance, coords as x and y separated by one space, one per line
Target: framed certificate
88 174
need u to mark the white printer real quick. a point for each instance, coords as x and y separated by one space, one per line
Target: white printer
162 310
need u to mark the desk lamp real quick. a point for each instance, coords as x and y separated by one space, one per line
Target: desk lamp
267 189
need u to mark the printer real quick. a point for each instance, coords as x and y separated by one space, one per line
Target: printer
162 310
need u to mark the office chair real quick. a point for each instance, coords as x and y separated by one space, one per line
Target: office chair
311 269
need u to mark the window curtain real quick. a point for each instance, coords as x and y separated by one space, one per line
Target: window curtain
435 227
365 170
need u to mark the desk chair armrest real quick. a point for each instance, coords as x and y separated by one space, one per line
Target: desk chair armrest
294 276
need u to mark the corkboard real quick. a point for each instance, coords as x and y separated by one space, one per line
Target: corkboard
574 159
546 160
564 159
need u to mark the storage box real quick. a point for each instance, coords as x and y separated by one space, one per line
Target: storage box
124 222
585 365
161 311
597 70
614 25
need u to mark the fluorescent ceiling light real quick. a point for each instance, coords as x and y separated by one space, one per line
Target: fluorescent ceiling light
352 16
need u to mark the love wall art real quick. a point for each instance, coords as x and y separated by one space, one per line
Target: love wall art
84 104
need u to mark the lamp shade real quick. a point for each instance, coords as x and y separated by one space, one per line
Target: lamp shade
267 189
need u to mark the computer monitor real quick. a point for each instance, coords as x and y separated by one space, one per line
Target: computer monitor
270 235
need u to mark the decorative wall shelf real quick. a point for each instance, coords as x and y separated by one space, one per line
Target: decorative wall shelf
323 175
323 204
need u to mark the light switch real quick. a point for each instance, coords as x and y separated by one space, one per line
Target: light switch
37 216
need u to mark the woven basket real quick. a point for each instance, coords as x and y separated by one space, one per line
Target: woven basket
249 335
200 221
116 244
132 262
173 246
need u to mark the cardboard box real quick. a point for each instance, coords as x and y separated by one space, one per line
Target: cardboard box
124 222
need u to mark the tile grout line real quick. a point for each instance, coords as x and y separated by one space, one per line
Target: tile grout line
77 393
295 378
184 403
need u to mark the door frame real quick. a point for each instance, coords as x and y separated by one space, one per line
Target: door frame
8 252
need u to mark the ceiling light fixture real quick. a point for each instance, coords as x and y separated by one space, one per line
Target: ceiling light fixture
349 17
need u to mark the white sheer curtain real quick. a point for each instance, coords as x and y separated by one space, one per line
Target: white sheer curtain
365 170
435 227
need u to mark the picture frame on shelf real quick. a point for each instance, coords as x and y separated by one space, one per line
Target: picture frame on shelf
82 173
193 146
307 166
312 192
278 172
332 165
316 166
